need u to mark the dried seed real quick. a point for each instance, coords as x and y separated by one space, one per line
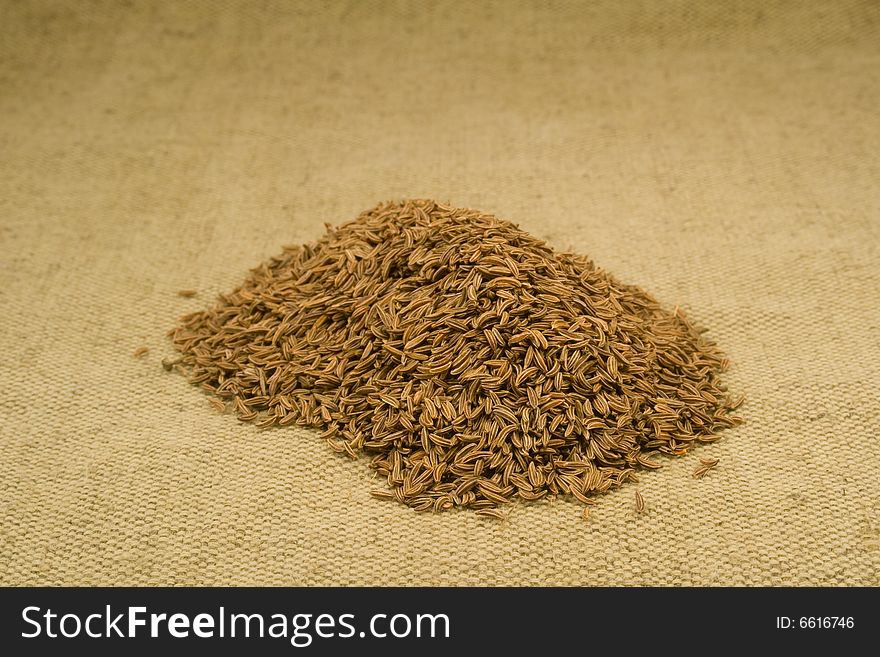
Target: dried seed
706 464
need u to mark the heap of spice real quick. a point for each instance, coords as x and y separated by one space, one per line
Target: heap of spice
472 362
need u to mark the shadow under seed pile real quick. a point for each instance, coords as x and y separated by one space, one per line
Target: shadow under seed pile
474 363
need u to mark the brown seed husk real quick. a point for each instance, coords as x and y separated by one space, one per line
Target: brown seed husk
472 362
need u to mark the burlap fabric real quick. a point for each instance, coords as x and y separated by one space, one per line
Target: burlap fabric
722 155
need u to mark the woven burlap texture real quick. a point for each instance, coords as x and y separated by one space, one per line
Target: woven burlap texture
724 156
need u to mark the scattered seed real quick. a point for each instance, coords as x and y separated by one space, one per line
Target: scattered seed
706 464
140 352
640 502
187 293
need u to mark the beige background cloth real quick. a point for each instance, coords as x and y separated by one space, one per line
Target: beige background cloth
724 156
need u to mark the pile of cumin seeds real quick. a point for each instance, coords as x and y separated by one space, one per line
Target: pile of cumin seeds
475 364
